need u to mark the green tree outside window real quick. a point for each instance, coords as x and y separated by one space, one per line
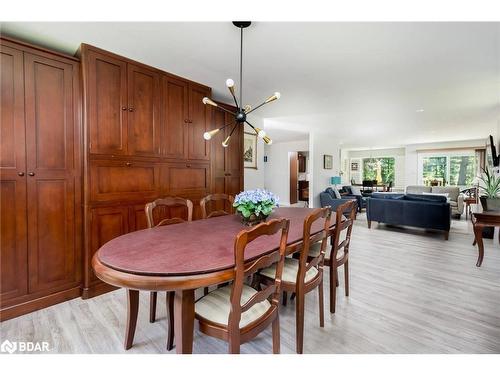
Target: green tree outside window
376 168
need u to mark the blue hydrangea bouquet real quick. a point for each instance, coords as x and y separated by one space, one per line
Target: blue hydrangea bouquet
255 206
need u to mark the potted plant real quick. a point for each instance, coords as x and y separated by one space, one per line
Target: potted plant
490 187
254 206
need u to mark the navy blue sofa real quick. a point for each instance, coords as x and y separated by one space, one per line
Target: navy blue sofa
327 198
415 210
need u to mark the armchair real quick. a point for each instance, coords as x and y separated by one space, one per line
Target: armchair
328 198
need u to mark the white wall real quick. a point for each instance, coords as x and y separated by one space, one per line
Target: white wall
319 145
254 178
399 163
411 177
277 168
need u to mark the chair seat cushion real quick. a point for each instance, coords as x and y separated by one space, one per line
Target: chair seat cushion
216 305
316 247
290 270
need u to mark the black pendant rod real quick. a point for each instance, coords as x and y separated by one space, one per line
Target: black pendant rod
241 68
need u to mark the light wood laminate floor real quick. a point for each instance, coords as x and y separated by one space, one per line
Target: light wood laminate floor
411 292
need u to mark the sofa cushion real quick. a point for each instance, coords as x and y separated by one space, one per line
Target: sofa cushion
330 191
388 195
347 190
452 191
418 189
426 198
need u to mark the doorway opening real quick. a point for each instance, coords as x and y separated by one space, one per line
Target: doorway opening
299 178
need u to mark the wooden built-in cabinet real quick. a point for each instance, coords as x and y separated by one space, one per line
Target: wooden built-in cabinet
144 130
40 175
66 190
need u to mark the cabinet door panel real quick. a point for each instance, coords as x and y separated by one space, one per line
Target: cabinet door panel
200 116
106 224
144 117
114 180
53 185
13 243
137 217
52 257
12 133
107 104
175 117
188 179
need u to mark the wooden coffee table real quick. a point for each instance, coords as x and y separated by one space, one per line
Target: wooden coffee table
479 221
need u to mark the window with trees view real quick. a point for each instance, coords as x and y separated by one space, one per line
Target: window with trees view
380 169
456 170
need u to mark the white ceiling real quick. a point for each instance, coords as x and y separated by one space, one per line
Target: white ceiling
361 82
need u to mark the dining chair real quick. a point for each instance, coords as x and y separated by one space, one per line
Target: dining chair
337 254
212 200
237 313
167 203
301 276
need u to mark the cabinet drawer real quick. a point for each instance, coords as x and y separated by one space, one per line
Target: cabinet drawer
188 178
123 180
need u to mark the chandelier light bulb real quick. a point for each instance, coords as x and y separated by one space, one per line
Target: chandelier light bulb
273 97
268 140
261 133
208 135
229 83
209 101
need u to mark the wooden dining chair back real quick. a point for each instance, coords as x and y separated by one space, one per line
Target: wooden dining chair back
256 303
302 275
344 220
212 201
168 203
306 262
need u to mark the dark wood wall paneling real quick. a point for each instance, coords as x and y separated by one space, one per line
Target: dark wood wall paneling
67 189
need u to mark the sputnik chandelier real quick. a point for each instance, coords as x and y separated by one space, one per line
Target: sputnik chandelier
241 113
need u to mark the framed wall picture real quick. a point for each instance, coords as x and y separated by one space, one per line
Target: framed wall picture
354 166
327 162
250 150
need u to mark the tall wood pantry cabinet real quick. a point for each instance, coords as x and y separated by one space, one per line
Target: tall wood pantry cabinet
40 177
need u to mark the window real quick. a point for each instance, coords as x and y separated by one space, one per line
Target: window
448 169
434 168
380 169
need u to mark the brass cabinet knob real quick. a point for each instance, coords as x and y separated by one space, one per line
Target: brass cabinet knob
31 173
131 109
124 108
128 164
21 174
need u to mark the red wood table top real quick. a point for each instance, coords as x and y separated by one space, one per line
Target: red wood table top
196 247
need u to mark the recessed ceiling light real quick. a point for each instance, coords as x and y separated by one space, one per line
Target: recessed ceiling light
420 110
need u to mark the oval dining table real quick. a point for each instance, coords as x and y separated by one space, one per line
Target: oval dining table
183 257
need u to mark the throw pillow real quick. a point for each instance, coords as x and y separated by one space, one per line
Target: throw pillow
355 191
337 194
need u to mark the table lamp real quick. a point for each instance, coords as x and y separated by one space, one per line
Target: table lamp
335 180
